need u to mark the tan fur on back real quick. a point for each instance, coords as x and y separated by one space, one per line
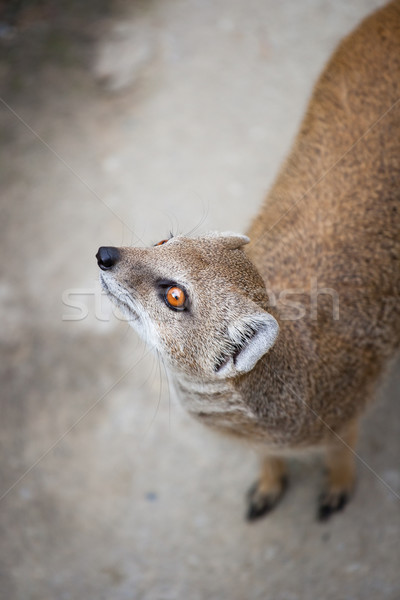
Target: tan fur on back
343 179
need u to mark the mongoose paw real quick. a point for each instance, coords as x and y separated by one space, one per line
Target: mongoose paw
259 502
331 502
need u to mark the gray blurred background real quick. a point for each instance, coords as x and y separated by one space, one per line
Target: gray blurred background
121 121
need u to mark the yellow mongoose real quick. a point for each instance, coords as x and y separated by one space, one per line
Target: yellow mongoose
245 360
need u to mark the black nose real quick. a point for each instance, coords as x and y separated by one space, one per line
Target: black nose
107 257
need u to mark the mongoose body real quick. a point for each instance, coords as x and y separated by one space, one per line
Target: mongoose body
281 341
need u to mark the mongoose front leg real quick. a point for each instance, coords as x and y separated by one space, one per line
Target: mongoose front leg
340 463
265 494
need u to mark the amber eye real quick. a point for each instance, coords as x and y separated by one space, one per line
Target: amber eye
161 243
175 298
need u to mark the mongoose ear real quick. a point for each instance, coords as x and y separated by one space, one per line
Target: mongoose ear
229 239
250 339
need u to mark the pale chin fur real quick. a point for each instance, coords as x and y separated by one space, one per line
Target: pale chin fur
136 316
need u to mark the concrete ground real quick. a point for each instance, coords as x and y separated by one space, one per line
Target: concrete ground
118 123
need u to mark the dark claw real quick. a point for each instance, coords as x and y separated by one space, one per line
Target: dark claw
259 505
330 503
255 511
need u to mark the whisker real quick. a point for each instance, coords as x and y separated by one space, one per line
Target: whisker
161 358
206 210
158 402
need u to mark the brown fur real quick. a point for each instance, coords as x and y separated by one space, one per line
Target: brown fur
343 176
330 221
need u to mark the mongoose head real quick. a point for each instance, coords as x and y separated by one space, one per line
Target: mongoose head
199 301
